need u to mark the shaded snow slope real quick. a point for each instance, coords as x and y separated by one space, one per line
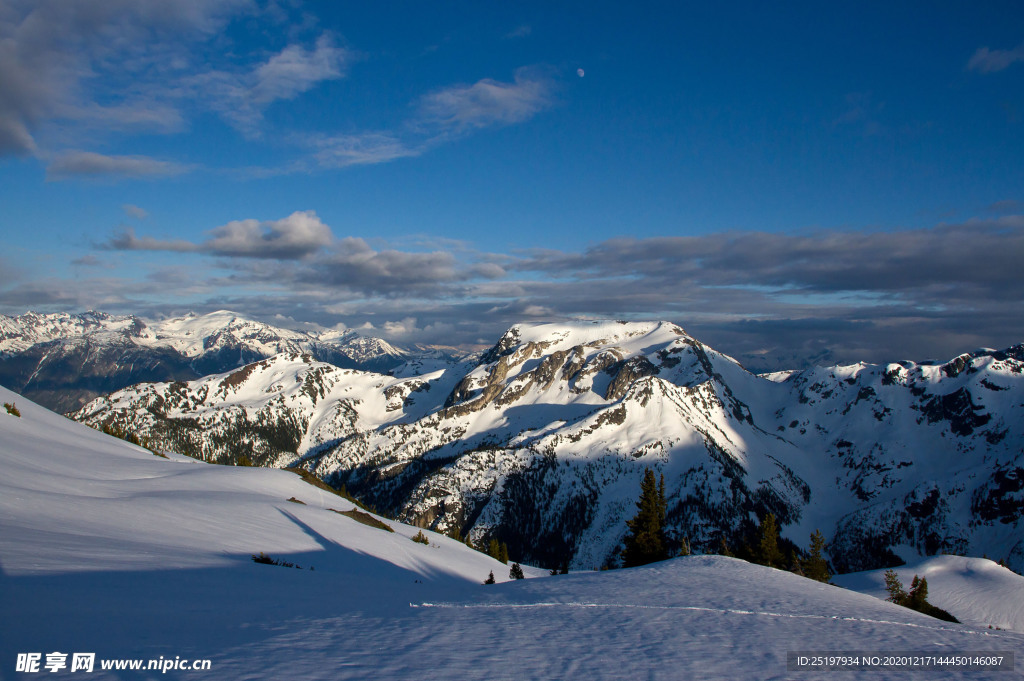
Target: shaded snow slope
73 499
976 591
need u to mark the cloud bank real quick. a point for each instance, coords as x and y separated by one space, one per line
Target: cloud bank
771 300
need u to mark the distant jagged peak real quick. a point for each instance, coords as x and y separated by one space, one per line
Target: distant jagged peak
18 333
556 336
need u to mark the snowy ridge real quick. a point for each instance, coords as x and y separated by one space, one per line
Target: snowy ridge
269 411
64 360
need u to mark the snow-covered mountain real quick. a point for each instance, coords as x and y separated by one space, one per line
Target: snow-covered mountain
543 441
110 550
272 410
63 360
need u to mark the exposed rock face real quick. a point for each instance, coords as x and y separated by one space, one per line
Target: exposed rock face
542 443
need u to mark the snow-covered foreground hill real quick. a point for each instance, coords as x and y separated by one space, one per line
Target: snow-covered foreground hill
108 549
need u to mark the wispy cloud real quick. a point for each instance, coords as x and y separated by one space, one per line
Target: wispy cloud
51 53
96 69
991 61
134 211
89 164
462 108
242 97
519 32
439 117
341 151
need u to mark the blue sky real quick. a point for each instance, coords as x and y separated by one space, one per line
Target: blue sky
792 183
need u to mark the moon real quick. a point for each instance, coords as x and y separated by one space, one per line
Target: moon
579 72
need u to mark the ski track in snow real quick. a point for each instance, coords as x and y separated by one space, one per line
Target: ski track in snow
696 608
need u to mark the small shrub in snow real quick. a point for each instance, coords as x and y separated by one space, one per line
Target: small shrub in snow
11 409
421 538
490 578
264 559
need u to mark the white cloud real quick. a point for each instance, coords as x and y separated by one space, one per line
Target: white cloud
990 61
300 234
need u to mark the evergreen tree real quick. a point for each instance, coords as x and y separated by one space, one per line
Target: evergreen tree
918 595
723 549
498 551
490 578
767 550
516 572
816 567
895 588
794 563
684 548
645 542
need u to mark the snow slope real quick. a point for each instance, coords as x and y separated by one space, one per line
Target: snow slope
976 590
106 548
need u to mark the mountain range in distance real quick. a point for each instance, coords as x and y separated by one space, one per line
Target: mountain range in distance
64 360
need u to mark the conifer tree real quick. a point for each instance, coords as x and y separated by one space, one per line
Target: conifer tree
918 596
795 566
895 588
490 578
645 542
816 567
516 572
498 551
723 549
768 551
684 548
